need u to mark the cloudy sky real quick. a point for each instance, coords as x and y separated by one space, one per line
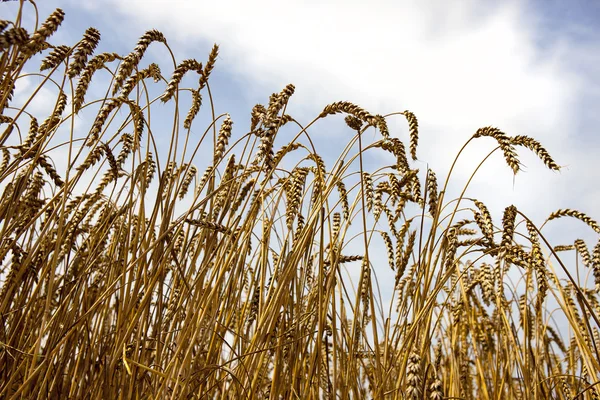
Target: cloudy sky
528 67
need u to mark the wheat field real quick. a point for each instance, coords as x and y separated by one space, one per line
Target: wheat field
144 258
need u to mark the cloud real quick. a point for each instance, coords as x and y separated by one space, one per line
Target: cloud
457 66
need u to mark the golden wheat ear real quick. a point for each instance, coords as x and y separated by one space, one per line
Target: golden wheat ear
538 149
505 145
134 58
567 212
46 30
180 70
86 48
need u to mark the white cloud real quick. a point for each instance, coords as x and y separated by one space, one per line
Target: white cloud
457 66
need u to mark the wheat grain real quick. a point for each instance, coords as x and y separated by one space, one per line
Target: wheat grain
223 191
378 199
150 170
204 178
48 27
167 178
583 251
133 58
349 108
344 200
413 378
566 212
381 124
285 150
127 148
353 122
483 219
180 71
505 145
5 161
50 170
396 147
508 225
7 91
390 249
56 56
596 265
403 262
432 193
31 137
15 36
258 114
92 158
365 286
416 191
487 283
85 79
296 187
106 109
187 180
210 64
112 161
86 48
276 103
153 71
564 247
138 123
222 139
245 190
538 149
413 126
265 152
4 24
194 109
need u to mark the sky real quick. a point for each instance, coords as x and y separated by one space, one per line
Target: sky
527 67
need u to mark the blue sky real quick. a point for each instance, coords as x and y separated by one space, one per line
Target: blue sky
527 67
